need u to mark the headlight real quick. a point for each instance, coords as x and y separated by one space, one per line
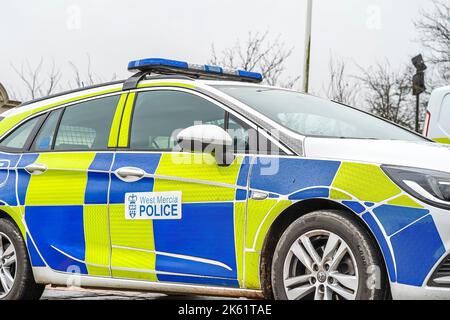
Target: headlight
432 187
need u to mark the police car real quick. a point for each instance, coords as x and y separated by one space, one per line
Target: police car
437 123
194 179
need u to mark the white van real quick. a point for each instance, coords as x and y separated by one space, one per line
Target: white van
437 123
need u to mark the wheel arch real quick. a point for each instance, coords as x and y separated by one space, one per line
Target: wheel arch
289 215
14 215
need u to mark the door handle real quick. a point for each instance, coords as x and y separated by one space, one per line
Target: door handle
130 174
36 169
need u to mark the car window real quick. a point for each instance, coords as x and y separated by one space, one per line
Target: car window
311 116
19 137
159 116
86 126
45 137
245 139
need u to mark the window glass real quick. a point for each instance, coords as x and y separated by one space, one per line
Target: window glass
159 116
244 138
44 139
19 137
311 116
86 126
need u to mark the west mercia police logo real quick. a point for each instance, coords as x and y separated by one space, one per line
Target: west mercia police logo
132 199
153 205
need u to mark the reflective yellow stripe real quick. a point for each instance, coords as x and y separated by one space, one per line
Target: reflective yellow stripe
115 127
442 140
10 122
126 118
97 239
64 183
365 182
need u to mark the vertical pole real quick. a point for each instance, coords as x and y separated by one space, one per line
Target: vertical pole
307 61
417 112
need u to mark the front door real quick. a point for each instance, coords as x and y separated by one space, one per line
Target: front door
175 216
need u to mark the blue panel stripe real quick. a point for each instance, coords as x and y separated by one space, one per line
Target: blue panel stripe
205 223
244 171
395 218
145 161
373 225
354 206
35 258
119 188
311 194
97 188
63 228
102 162
288 175
24 177
417 249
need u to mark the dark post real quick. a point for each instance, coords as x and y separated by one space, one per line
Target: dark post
418 84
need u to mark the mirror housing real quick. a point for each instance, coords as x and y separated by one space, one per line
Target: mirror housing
210 139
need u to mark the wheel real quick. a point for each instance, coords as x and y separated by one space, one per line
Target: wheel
326 255
16 276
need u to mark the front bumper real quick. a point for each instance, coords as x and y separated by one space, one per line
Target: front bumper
405 292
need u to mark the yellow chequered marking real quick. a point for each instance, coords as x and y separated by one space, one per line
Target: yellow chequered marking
198 166
195 192
144 262
96 233
239 226
405 201
16 213
274 213
365 182
256 212
64 183
252 280
338 195
130 233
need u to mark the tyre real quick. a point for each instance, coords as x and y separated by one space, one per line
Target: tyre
326 255
16 276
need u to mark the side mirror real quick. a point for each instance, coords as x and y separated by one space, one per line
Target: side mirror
210 139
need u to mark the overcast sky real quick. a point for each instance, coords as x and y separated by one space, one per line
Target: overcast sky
114 32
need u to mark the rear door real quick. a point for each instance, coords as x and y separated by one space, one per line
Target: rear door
64 182
200 243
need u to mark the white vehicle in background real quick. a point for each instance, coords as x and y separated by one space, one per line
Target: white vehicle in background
437 123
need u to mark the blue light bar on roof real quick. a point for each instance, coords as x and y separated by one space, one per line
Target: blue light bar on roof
166 66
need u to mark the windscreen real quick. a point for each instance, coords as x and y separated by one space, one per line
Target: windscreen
312 116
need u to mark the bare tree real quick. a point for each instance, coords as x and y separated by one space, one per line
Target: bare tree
258 53
39 83
36 83
89 78
434 28
340 89
388 93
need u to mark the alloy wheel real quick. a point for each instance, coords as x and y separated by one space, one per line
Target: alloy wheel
320 266
8 265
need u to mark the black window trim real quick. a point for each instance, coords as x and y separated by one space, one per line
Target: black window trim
30 137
